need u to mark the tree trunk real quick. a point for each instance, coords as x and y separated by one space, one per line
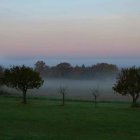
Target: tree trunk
135 97
63 99
95 99
24 97
134 101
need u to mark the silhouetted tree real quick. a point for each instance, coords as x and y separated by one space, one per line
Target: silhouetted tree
96 94
41 67
1 74
64 69
1 79
22 78
77 71
104 70
62 91
128 83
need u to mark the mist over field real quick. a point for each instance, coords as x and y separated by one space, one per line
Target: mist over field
79 89
76 89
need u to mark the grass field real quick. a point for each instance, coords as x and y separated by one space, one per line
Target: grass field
43 119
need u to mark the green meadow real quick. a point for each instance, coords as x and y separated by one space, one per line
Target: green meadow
44 119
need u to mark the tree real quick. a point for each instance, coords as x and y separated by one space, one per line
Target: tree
62 91
1 74
104 70
128 83
1 82
63 69
41 67
95 93
22 78
1 71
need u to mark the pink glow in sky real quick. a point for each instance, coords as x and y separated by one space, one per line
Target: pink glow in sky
71 29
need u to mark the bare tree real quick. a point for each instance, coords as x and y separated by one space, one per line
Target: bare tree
62 91
95 93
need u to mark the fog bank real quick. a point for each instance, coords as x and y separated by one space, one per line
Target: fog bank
79 89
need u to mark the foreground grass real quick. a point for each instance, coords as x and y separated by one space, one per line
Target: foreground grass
48 120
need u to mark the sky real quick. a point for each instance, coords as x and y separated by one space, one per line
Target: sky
69 29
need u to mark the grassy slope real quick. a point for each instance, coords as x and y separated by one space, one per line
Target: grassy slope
47 120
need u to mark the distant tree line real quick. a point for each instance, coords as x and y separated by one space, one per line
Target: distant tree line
66 70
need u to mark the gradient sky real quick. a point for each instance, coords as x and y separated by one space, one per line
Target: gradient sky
70 28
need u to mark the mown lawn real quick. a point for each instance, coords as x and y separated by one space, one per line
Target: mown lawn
43 119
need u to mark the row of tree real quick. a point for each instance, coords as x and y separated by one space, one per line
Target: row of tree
66 70
23 78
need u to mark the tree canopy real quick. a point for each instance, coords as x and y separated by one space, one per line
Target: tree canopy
22 78
1 74
128 83
41 67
